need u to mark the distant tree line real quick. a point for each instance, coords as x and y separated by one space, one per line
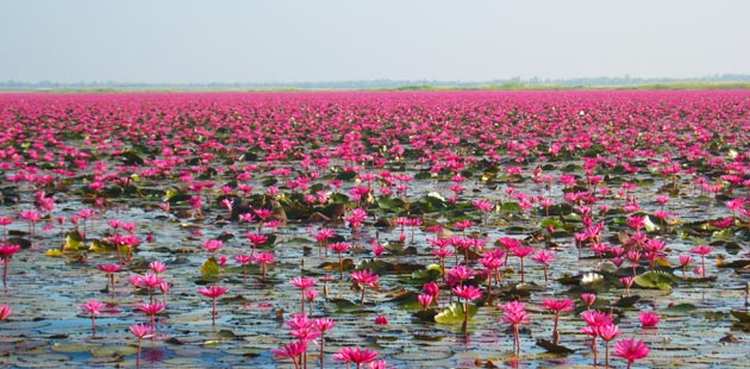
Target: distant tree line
510 83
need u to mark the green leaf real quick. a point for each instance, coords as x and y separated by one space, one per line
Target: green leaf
226 334
131 157
408 301
426 315
73 241
339 198
552 347
682 307
742 316
391 204
174 196
626 301
655 280
294 207
112 351
376 266
454 314
723 235
344 305
100 246
552 221
559 209
422 175
346 176
431 273
649 225
510 207
210 269
430 203
572 217
70 348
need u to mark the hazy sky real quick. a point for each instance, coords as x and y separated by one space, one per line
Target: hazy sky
320 40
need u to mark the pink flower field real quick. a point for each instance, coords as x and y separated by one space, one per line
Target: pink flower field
371 230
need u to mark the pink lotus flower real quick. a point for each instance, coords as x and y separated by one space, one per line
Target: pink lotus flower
247 217
157 267
323 325
685 261
6 253
256 239
93 308
140 331
263 214
303 283
5 312
703 251
460 274
150 282
363 279
213 292
264 259
594 320
607 333
32 217
213 245
310 294
467 293
214 147
628 283
356 356
521 252
589 299
356 218
558 306
378 364
483 205
545 258
377 248
631 350
381 320
293 351
243 260
649 319
432 289
425 300
340 248
152 310
514 314
324 234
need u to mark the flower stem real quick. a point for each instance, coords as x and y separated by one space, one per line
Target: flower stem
213 312
606 354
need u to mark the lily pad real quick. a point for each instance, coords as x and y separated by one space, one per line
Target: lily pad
742 316
431 273
655 280
73 241
391 204
114 350
210 269
551 347
426 315
454 314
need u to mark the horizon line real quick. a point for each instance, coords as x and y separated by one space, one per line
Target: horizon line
719 77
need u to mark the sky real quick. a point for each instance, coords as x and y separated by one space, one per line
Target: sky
193 41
